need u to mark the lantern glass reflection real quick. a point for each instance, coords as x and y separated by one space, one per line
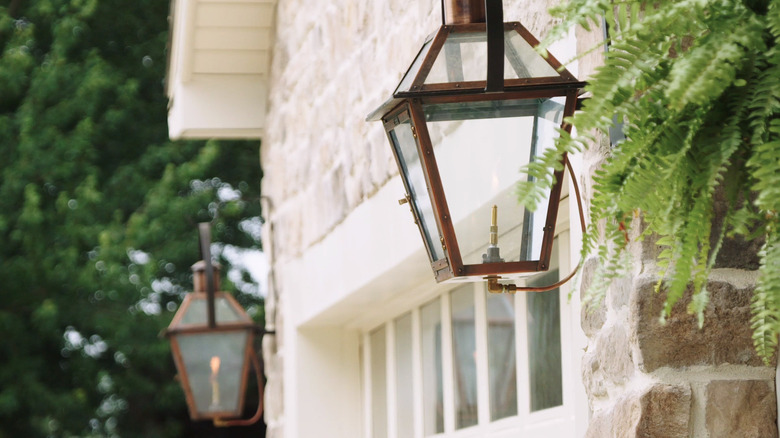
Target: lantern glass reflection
215 368
480 147
198 308
405 144
463 58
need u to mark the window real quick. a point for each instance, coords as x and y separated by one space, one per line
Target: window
468 363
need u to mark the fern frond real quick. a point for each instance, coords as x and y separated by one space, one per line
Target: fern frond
765 305
712 65
697 85
765 166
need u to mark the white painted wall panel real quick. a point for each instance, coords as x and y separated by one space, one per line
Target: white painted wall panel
235 14
232 38
231 61
219 106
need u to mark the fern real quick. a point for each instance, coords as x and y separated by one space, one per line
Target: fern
697 85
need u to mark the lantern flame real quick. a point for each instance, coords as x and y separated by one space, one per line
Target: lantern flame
495 183
214 364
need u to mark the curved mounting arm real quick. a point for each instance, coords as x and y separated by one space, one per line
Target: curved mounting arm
497 288
260 390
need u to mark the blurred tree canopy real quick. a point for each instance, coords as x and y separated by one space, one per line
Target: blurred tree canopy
98 214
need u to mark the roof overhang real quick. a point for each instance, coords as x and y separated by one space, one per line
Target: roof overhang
218 67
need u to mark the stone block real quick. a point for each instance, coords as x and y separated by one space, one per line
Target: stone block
593 376
665 412
586 40
659 411
735 252
609 361
593 314
619 292
741 408
615 354
725 337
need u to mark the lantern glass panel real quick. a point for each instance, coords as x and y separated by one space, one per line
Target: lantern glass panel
525 61
405 145
406 83
464 58
223 312
215 364
480 148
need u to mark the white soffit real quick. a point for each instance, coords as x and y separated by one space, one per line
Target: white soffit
218 67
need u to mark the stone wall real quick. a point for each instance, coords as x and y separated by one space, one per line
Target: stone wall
648 379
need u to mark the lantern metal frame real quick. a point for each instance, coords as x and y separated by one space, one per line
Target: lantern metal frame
412 93
205 276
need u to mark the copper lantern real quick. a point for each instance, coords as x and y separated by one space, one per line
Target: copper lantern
477 104
212 341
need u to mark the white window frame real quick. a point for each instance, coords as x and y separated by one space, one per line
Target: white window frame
551 422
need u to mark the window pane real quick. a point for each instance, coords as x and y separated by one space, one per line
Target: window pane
464 350
544 344
433 400
403 370
502 366
379 383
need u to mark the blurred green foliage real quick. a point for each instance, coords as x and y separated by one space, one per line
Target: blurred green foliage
98 215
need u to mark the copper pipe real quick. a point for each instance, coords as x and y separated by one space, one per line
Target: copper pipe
492 280
464 11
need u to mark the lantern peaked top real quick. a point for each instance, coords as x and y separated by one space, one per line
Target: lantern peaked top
477 104
474 53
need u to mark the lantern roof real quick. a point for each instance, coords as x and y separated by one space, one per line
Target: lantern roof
193 313
453 61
